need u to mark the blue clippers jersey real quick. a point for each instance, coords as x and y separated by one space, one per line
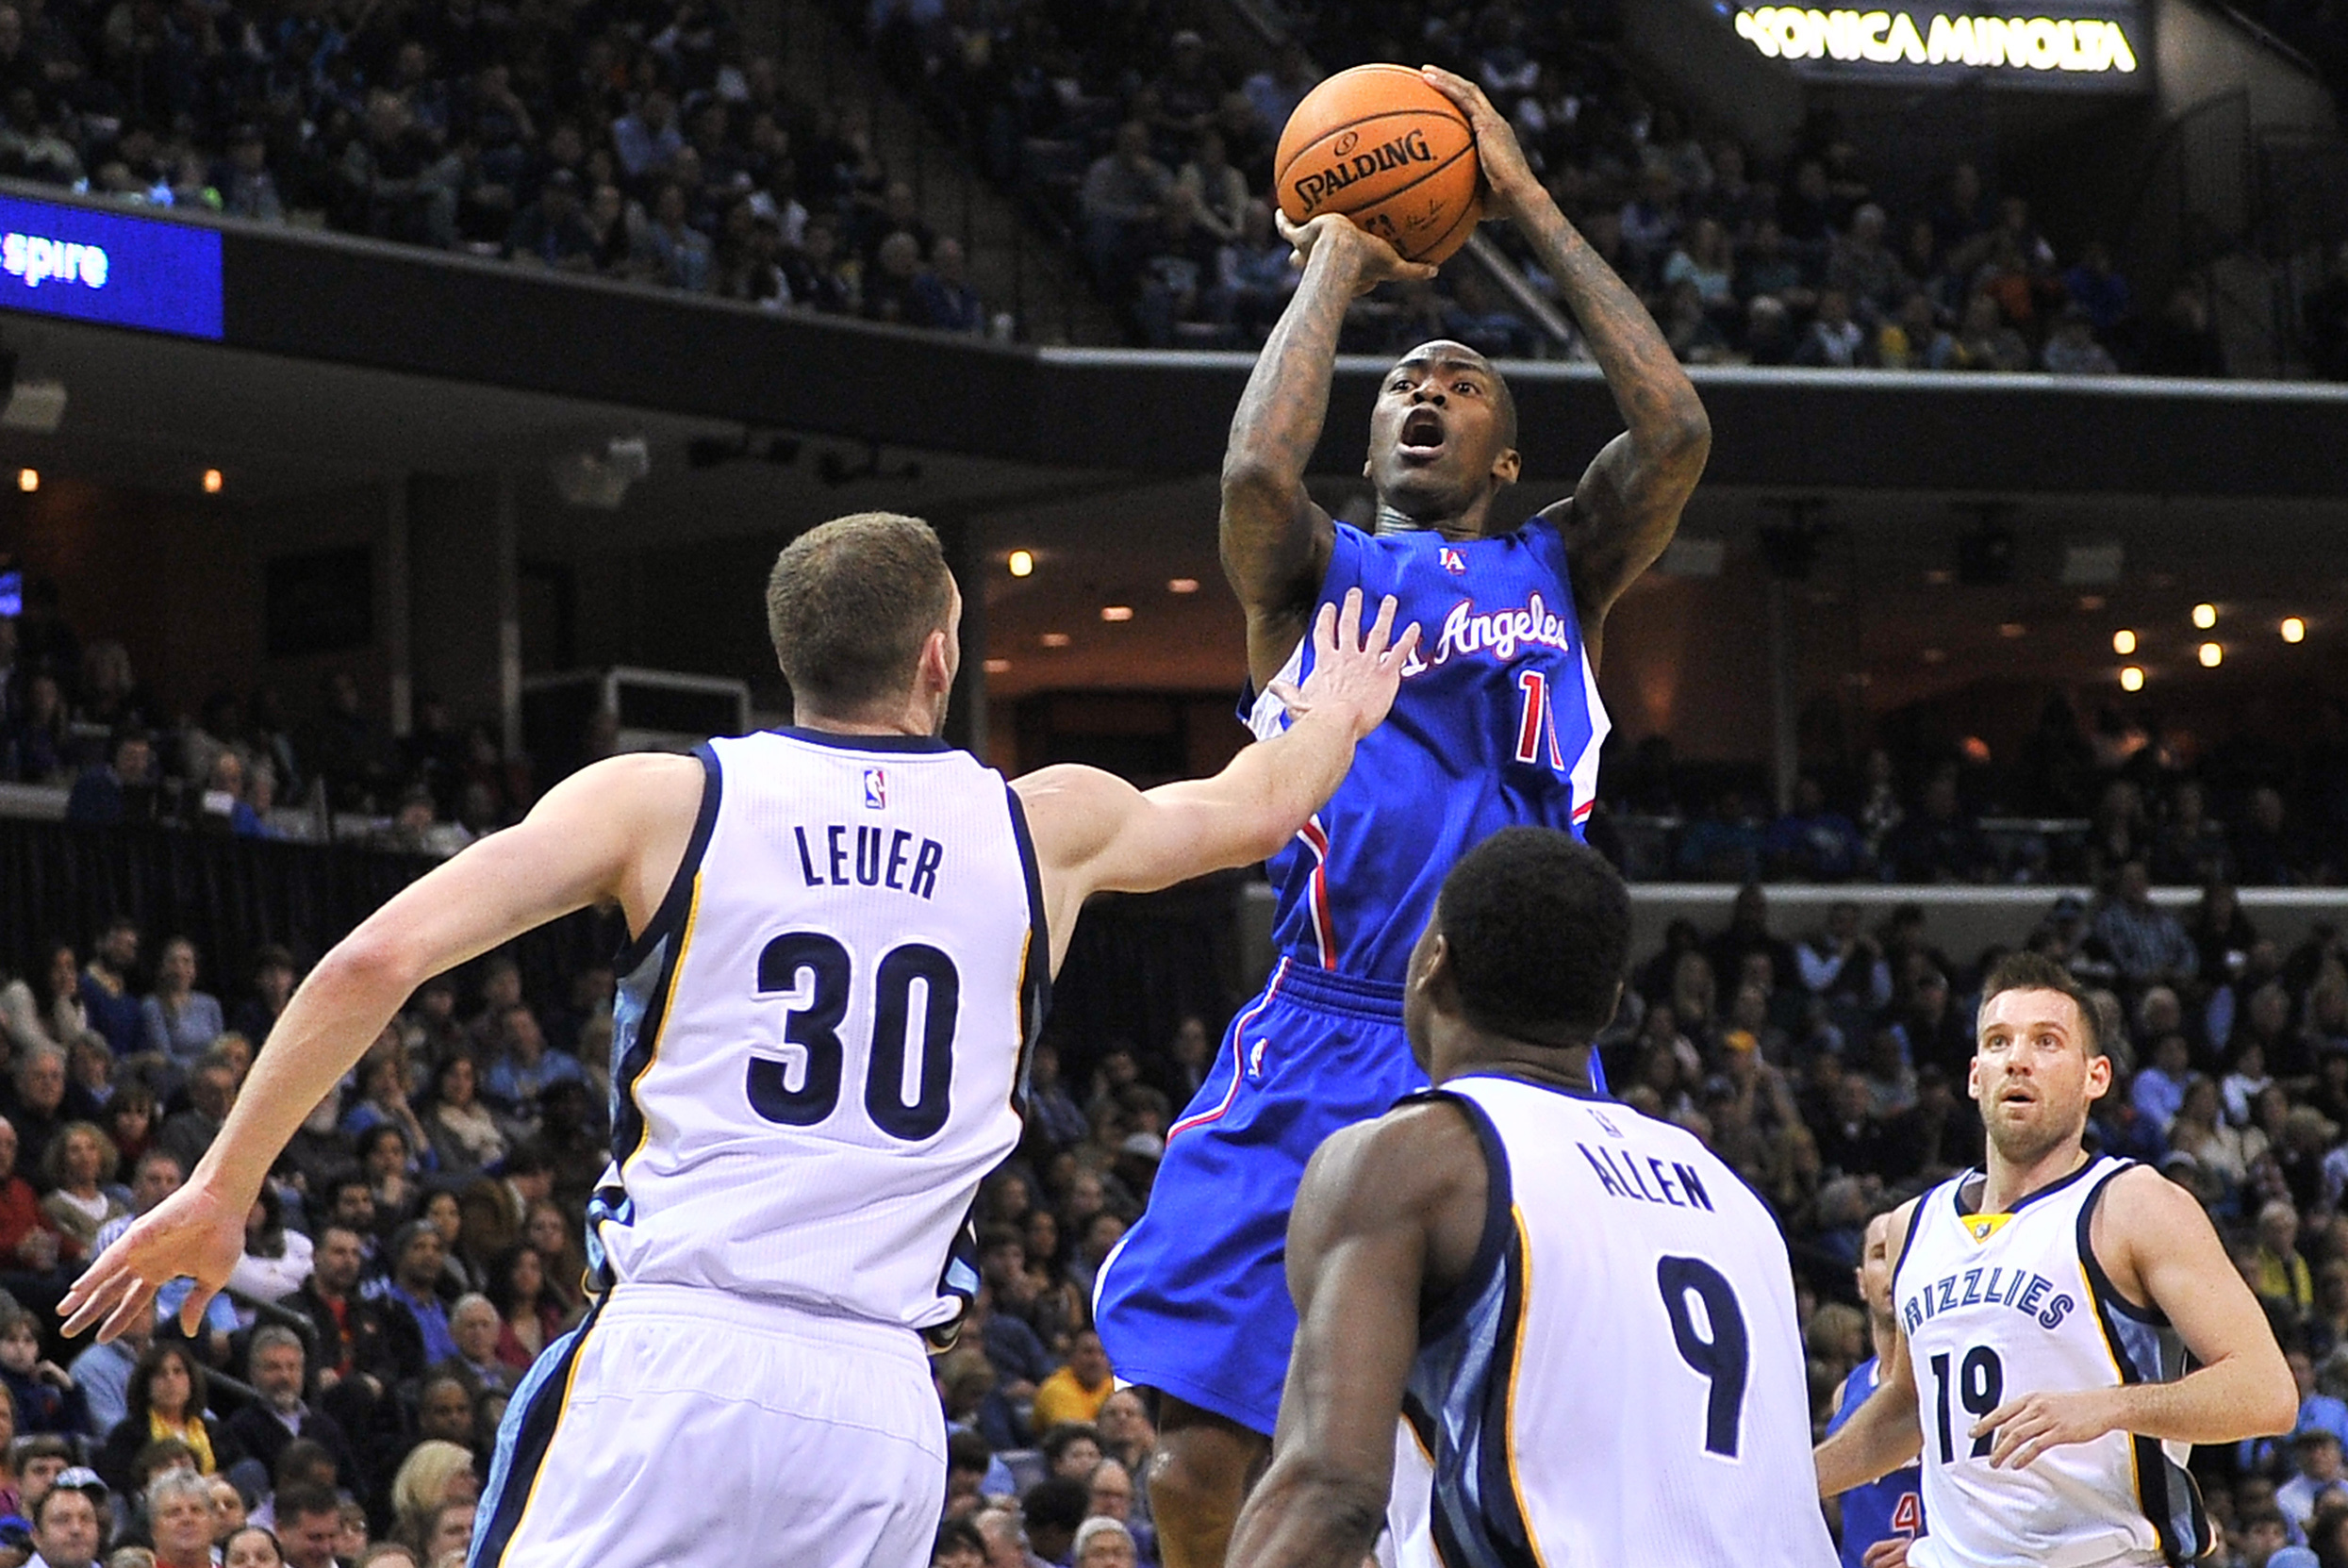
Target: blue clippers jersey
1497 724
1888 1506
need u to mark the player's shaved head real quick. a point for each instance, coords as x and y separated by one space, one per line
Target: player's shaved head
850 605
1444 352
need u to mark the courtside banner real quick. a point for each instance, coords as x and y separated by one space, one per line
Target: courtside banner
2029 46
116 267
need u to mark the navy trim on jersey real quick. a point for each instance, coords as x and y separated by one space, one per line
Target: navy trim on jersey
838 742
1036 974
1915 1223
2097 1279
2146 1349
1595 1095
1505 1529
523 1443
1449 1311
679 899
1965 1205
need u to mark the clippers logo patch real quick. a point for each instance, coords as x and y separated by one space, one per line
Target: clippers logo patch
1451 561
875 789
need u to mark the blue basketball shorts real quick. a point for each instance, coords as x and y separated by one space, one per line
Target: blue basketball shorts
1194 1301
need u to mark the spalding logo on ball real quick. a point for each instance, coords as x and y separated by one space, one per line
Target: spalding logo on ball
1380 145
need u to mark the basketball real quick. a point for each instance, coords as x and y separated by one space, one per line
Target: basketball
1380 145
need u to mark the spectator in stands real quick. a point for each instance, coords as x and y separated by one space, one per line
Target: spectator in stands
310 1520
1812 842
2096 288
1274 93
1220 190
648 139
554 229
523 1070
2147 941
79 1168
1053 1511
474 1324
179 1516
2317 1453
1122 193
1104 1542
464 1136
2071 349
943 297
1983 340
283 1414
891 283
47 1006
2269 851
211 1091
166 1398
107 995
1865 270
1939 844
411 1286
176 1020
68 1526
274 978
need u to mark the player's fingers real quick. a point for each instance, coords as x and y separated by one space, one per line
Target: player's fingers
90 1298
1996 1418
1404 646
1325 628
192 1309
1349 622
1419 271
133 1306
1288 697
1381 631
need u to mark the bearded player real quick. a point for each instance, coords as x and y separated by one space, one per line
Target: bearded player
2047 1311
1498 724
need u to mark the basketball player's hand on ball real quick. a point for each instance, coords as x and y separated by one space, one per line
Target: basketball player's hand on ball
192 1234
1371 259
1509 179
2029 1426
1351 671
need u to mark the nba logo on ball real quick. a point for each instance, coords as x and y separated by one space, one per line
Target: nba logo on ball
875 789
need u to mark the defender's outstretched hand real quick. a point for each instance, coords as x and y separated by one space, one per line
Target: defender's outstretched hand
1352 670
192 1233
1508 178
1371 260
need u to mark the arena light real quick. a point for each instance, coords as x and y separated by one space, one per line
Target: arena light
1182 584
1116 612
2011 628
2205 616
2294 629
1022 562
213 481
28 480
1054 640
2131 679
2212 655
2124 642
999 666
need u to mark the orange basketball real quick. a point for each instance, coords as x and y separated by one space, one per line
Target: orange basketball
1380 145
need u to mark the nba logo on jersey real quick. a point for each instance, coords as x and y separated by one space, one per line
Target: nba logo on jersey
875 789
1982 1227
1451 561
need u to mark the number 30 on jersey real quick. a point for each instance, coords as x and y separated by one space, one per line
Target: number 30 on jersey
818 965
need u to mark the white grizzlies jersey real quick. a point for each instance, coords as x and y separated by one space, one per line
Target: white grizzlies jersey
1620 1380
818 1047
1996 1305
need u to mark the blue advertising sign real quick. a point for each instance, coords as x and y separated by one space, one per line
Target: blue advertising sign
124 271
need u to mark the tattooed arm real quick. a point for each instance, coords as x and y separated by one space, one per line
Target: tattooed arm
1275 540
1626 507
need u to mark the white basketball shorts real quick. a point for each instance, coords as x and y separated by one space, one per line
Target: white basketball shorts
678 1427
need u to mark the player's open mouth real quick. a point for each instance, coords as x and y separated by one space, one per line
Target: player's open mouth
2017 1096
1421 438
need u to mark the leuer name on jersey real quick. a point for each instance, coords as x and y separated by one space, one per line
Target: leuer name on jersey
837 862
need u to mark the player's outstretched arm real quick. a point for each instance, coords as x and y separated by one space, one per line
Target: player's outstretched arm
1627 505
1275 540
613 832
1096 834
2156 1243
1387 1213
1885 1432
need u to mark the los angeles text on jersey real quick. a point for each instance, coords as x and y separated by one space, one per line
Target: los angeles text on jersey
840 856
2028 1293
